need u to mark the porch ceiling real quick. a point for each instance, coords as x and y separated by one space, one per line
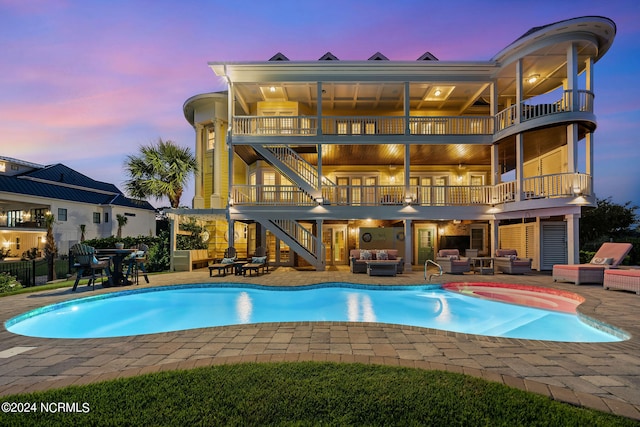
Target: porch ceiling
389 154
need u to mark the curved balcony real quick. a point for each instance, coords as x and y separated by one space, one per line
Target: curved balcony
508 117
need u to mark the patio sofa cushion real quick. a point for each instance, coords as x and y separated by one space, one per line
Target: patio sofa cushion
626 280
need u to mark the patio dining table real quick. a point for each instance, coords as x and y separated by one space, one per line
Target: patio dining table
117 258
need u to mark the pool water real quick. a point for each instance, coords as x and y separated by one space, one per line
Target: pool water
182 307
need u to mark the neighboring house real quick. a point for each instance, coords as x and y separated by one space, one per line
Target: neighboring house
314 158
29 191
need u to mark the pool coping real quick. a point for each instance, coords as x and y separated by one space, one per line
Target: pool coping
604 376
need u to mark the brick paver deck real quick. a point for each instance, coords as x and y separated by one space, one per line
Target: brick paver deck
604 376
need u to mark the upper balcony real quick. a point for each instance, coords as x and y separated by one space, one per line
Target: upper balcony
533 112
562 185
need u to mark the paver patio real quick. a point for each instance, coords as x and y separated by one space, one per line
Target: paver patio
604 376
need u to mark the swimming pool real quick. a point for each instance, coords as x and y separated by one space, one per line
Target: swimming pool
456 308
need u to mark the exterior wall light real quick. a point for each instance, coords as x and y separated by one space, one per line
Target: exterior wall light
533 78
320 200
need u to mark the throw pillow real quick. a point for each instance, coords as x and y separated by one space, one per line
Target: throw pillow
597 261
94 260
454 257
258 259
227 261
382 255
365 254
513 257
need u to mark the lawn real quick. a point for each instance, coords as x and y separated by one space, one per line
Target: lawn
305 393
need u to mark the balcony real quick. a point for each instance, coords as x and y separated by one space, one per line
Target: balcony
539 187
362 125
310 126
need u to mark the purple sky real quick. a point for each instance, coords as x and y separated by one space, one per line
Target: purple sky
85 83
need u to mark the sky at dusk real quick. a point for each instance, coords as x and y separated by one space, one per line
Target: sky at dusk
85 83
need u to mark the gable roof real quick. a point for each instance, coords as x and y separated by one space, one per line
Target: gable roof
63 183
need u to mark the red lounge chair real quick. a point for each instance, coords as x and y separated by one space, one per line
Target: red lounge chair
609 255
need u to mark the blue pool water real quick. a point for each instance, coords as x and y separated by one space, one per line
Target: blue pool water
174 308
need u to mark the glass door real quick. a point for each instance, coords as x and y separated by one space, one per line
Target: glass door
426 243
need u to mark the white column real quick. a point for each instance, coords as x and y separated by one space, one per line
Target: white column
493 225
216 176
519 90
173 227
572 76
319 108
407 170
573 238
572 147
519 165
319 252
408 239
589 136
198 198
407 108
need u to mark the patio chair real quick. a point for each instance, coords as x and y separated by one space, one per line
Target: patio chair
507 262
226 264
609 255
452 263
137 262
84 259
260 261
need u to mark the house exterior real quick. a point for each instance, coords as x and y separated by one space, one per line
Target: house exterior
29 191
312 159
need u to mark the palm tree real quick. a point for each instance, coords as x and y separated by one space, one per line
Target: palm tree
161 170
50 249
122 221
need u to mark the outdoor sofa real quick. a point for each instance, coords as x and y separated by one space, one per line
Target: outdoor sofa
358 259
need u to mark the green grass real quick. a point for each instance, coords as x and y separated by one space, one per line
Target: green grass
304 394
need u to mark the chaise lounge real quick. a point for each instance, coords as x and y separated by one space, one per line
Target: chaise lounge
609 255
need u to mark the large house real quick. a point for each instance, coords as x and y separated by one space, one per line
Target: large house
29 191
313 158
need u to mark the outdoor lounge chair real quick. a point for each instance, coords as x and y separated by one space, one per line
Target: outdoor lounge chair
452 263
609 255
226 264
507 261
84 259
260 261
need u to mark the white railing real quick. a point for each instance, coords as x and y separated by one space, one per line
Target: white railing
457 125
531 110
418 125
538 187
300 166
270 195
363 195
304 237
279 125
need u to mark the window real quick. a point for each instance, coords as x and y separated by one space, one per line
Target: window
62 214
96 217
211 138
106 217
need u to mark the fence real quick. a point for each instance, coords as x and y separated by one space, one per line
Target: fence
34 272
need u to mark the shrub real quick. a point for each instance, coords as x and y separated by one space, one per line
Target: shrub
8 283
